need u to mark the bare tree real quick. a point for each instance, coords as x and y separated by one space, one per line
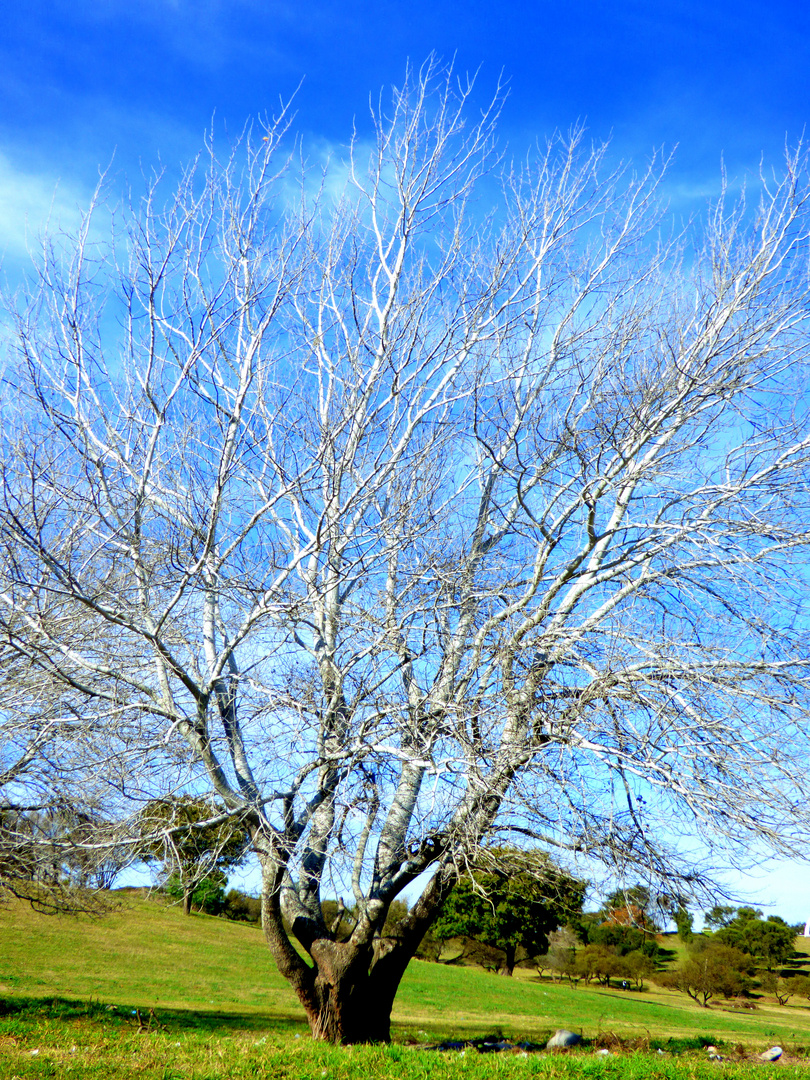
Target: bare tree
44 817
420 504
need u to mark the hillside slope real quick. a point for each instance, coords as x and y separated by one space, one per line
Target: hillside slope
202 971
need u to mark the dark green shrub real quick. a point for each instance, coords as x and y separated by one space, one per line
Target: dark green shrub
208 895
242 908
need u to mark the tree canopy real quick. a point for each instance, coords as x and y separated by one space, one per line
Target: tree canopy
195 841
716 969
417 504
512 901
769 940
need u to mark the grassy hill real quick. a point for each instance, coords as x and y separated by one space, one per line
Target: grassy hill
213 982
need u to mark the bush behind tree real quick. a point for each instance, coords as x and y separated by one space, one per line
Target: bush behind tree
241 907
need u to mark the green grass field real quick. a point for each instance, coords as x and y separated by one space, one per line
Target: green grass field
69 988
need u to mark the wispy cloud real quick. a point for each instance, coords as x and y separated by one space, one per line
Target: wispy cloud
33 203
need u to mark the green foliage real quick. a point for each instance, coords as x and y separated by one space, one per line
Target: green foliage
636 967
512 903
683 922
716 970
175 832
242 908
783 989
396 913
798 986
207 895
632 896
720 916
623 939
770 940
582 923
599 962
603 963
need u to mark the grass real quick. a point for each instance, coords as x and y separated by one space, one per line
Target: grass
55 1041
69 989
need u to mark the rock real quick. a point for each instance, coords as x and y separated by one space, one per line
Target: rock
773 1054
562 1039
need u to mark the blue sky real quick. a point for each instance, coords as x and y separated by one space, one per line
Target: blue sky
81 81
86 83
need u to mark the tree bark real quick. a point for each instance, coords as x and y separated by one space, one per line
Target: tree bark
187 894
509 961
348 991
349 1003
346 995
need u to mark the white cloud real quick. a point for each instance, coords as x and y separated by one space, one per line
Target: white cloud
33 203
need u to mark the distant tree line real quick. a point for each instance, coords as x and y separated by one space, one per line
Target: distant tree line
45 861
741 951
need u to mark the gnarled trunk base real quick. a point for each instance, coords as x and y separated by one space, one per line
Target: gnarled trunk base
346 1002
348 1014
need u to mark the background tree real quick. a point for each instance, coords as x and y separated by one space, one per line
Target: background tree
242 907
404 527
623 939
715 970
561 956
196 842
784 988
798 985
770 940
630 906
46 859
636 967
683 920
52 833
511 901
208 894
722 914
599 962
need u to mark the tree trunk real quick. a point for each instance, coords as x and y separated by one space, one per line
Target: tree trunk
353 1008
349 992
509 962
187 894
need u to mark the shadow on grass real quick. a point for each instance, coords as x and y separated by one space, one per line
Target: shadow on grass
624 996
211 1021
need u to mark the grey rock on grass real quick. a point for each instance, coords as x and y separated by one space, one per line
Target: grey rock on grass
562 1039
